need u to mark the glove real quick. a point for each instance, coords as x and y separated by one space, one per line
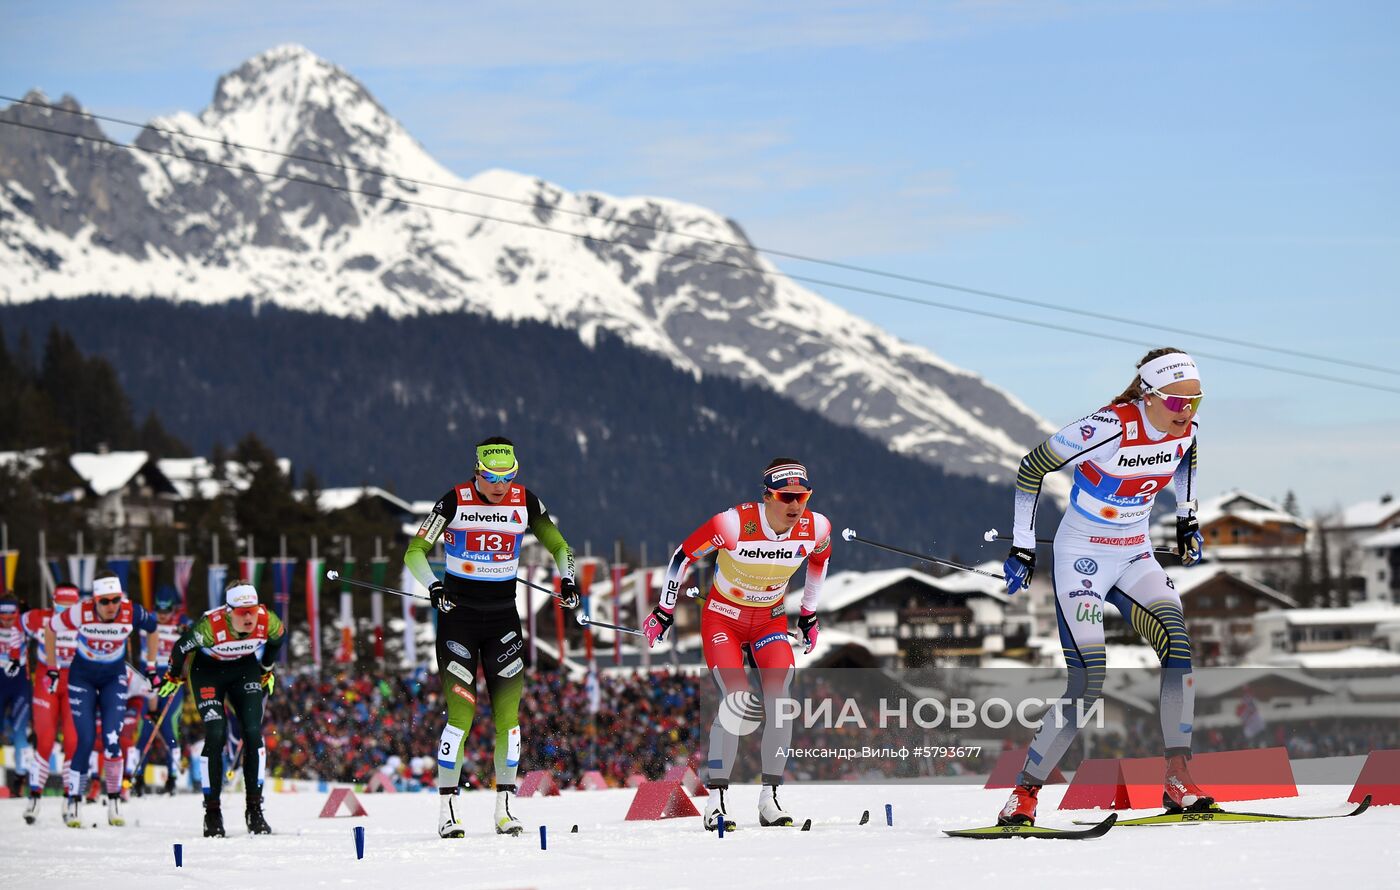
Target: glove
168 684
568 593
12 668
439 598
1188 540
1019 568
153 674
52 674
269 679
809 625
656 625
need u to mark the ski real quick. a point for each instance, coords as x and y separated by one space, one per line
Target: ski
1219 815
1099 829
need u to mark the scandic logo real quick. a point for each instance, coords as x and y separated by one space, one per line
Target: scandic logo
1145 460
759 553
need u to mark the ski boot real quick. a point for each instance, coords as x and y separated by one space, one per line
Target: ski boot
114 810
715 811
138 784
213 818
1180 793
169 784
72 815
448 823
506 823
253 814
770 812
1020 807
31 811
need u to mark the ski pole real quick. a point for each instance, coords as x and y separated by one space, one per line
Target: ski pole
850 535
155 731
992 534
585 621
333 575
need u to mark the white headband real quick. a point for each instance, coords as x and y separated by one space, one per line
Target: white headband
1173 367
106 586
242 595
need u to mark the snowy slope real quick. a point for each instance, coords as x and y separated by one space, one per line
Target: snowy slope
608 852
79 218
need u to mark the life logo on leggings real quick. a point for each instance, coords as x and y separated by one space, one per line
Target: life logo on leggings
1085 566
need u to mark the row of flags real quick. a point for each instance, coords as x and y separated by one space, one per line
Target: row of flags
138 576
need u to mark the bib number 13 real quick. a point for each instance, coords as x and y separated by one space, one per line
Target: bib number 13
490 542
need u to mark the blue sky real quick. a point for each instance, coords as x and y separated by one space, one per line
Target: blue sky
1219 167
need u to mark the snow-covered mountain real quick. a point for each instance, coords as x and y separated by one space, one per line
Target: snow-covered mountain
80 217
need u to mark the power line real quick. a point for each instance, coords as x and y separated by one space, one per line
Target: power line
834 264
776 276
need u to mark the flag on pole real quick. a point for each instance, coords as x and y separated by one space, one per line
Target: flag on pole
218 576
82 568
7 571
530 614
146 571
588 569
53 573
1250 718
283 567
184 571
121 566
252 568
595 693
378 572
410 621
315 571
617 572
644 597
346 652
558 619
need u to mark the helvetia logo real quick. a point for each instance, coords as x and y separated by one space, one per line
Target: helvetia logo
760 553
1147 460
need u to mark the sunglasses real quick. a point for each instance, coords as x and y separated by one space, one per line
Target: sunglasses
246 611
489 476
792 497
107 600
1177 404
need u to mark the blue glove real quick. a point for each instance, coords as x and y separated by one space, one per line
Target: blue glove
1019 568
1189 542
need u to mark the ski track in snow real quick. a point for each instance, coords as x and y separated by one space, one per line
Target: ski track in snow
402 848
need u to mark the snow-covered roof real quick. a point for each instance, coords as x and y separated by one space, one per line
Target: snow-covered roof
1370 514
1188 578
22 462
1244 506
1383 541
1351 657
332 499
1351 615
845 588
194 476
106 473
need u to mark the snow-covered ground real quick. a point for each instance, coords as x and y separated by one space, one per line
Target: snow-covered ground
403 850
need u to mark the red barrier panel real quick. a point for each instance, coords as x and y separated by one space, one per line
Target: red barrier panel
1136 783
1008 769
689 781
1380 778
1097 785
339 797
660 800
539 782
